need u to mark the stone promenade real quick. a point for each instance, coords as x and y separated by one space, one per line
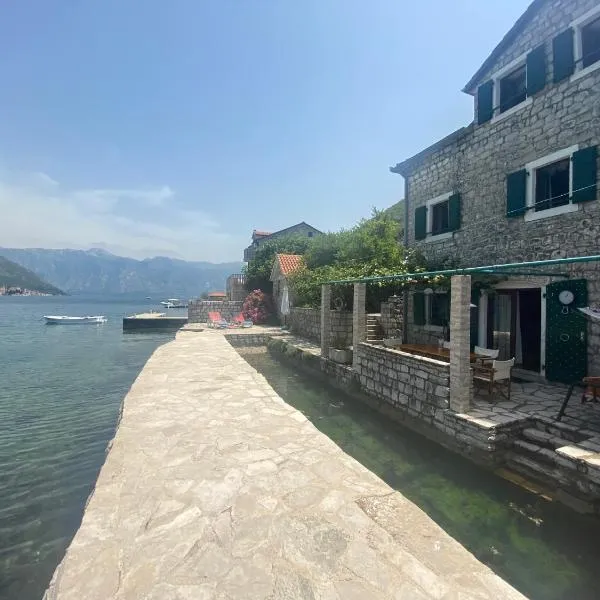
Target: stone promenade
215 488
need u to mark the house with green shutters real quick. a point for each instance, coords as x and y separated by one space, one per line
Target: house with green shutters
520 183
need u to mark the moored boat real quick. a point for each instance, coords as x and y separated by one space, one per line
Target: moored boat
66 320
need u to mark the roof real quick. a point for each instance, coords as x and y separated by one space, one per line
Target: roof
217 294
288 263
405 167
515 31
292 227
257 233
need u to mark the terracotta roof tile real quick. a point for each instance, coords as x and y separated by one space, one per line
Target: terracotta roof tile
217 294
288 263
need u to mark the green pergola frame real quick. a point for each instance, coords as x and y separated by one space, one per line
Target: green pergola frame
504 269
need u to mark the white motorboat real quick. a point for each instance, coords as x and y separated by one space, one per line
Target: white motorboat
174 303
65 320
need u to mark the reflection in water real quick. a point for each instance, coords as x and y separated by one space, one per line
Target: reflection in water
541 548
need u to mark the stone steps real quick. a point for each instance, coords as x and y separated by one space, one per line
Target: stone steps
374 330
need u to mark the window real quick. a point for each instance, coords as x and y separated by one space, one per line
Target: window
310 234
439 218
552 185
513 88
585 36
431 308
590 43
438 309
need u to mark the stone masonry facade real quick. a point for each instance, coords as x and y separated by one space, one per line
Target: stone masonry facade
306 323
475 163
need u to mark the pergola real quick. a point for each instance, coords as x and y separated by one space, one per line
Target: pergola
461 382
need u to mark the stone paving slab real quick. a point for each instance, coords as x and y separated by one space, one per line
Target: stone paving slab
215 488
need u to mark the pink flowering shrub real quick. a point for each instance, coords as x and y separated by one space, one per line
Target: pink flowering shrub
257 307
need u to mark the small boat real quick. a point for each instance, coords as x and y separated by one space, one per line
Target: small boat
174 303
65 320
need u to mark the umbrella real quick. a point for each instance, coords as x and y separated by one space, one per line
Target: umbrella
285 301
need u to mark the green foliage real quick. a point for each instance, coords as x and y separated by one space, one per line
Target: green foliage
258 270
369 249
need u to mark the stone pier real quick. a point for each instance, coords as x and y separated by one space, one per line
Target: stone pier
215 488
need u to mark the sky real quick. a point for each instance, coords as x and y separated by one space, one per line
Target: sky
147 127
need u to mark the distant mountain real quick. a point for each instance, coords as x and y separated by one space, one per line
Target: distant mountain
98 271
396 211
14 275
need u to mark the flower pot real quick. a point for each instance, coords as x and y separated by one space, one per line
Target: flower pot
343 357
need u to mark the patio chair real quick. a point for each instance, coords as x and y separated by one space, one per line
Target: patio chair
241 321
446 345
216 320
486 355
496 377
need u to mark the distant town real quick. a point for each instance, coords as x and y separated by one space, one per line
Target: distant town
17 291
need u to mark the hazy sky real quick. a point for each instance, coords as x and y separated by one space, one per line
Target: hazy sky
151 127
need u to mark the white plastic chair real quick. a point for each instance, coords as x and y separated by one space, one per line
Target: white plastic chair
496 377
447 345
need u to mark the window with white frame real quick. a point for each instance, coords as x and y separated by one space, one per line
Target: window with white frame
512 88
550 184
438 215
587 41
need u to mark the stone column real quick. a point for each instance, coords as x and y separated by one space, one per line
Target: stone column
359 319
325 319
461 378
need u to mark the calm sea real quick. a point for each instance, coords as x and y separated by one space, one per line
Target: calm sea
61 388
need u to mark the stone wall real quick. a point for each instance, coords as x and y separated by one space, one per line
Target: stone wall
236 287
306 323
388 321
418 385
476 163
198 310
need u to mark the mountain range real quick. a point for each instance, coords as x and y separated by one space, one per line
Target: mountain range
100 272
13 275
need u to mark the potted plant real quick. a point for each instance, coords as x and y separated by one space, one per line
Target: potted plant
340 352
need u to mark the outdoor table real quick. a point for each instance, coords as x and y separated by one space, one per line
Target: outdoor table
435 352
592 383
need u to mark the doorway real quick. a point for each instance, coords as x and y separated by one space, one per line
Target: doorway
514 326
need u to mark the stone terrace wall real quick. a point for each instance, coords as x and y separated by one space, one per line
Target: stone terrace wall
198 310
388 323
418 385
306 323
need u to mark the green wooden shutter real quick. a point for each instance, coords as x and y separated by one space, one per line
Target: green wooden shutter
454 212
536 70
564 61
420 223
516 190
485 102
585 174
419 308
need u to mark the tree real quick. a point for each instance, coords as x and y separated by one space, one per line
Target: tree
369 249
258 270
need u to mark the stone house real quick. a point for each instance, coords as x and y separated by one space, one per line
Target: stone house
260 237
283 266
519 184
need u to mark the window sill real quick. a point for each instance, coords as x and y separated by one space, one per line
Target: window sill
584 72
513 110
439 237
551 212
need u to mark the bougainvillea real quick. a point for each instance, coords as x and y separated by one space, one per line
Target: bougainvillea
257 307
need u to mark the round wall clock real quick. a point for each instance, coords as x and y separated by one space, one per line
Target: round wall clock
566 297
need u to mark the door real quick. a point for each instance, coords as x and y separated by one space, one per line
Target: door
566 333
530 324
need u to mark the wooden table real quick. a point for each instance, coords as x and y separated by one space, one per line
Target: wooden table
435 352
